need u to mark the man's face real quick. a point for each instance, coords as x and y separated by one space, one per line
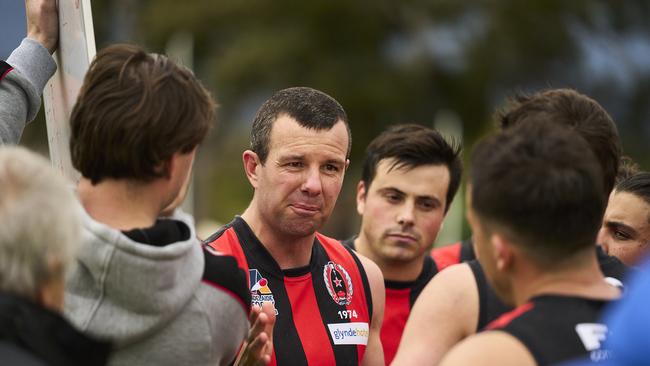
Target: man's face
297 186
402 210
625 233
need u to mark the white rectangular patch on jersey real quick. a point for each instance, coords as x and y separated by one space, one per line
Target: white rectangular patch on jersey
349 333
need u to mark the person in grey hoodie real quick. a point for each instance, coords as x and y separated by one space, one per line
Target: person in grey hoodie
28 68
141 280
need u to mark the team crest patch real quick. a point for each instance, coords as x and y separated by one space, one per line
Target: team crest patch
260 291
338 283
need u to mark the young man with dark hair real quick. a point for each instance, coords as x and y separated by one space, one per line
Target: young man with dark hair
410 176
470 303
626 226
535 206
329 299
142 281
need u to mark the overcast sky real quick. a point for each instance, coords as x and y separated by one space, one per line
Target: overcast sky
12 24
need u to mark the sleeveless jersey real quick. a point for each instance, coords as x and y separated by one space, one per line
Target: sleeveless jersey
323 310
400 297
491 307
453 254
557 328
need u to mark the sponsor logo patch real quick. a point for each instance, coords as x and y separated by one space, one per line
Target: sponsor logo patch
349 333
338 283
260 291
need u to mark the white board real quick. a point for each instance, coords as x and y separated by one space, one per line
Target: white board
75 52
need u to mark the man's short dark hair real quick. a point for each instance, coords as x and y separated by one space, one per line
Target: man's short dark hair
637 184
311 108
626 168
541 185
584 115
134 111
412 146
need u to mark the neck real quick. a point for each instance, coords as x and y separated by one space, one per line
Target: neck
403 271
582 278
121 204
288 251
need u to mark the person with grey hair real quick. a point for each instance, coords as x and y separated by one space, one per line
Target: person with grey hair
39 237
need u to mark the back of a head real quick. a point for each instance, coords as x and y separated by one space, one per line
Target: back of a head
577 111
311 108
540 185
134 111
411 146
40 229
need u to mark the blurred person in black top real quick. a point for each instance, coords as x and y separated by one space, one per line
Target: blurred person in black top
469 303
535 207
410 176
39 240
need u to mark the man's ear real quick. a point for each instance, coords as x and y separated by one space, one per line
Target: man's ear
251 163
502 250
347 164
361 197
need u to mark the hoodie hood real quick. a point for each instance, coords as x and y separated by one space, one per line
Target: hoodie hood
124 290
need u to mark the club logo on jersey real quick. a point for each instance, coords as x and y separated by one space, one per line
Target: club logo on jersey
260 291
338 283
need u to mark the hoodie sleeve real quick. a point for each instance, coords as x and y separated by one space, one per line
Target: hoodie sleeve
22 80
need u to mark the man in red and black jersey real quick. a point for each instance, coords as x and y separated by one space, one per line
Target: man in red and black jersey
410 176
535 207
470 303
329 300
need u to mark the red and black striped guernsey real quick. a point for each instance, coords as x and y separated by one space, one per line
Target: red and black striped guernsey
323 309
400 297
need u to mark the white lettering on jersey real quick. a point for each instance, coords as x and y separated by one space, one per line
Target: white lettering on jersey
591 335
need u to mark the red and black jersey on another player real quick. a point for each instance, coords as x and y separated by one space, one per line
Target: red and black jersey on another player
323 309
491 307
400 297
448 255
557 328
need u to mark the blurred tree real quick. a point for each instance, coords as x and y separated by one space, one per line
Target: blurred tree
389 62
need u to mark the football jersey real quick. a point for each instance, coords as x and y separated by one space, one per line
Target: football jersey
557 328
491 307
323 310
448 255
400 297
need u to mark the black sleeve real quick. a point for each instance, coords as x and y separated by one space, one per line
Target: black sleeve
223 272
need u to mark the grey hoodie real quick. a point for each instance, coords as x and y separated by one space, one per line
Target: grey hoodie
21 88
151 301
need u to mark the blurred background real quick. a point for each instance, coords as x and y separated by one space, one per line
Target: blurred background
440 63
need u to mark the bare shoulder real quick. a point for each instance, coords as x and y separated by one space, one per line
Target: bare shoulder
372 269
450 302
489 348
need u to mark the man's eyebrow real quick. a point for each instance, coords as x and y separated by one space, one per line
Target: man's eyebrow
390 190
620 225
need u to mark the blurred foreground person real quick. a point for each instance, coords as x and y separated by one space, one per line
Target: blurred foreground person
329 299
410 176
626 226
535 206
39 238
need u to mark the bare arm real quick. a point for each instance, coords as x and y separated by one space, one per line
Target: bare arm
374 354
43 22
445 313
489 348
